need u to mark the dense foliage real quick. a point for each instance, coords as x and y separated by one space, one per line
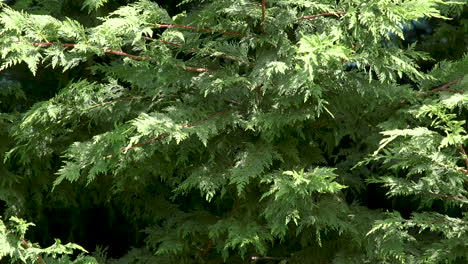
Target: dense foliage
223 131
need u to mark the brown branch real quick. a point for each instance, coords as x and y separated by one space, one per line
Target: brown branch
121 53
449 196
447 90
169 42
443 88
447 85
146 142
322 15
464 155
199 29
165 134
26 245
173 44
264 3
109 51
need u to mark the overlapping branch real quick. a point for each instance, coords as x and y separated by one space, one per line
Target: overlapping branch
443 88
26 245
187 68
446 86
165 134
322 15
124 54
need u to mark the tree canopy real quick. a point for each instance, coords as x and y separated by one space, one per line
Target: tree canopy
223 131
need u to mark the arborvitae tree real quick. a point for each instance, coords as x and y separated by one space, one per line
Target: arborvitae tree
231 131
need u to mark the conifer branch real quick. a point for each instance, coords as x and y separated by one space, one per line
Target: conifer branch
199 29
165 134
192 49
26 245
322 15
109 51
205 120
146 142
124 54
116 100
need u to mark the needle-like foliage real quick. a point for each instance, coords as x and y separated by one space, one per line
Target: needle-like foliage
227 132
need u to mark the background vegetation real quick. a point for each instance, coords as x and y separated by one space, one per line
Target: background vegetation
233 131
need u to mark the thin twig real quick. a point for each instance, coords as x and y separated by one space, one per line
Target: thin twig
264 3
194 69
464 155
171 43
109 51
447 85
322 15
146 142
446 90
121 53
199 29
25 244
449 196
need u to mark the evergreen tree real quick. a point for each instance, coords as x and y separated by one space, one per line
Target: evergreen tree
232 132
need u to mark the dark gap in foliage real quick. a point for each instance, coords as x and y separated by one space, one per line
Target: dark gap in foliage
375 197
3 207
99 225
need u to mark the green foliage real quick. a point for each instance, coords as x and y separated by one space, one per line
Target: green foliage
227 133
16 249
427 161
